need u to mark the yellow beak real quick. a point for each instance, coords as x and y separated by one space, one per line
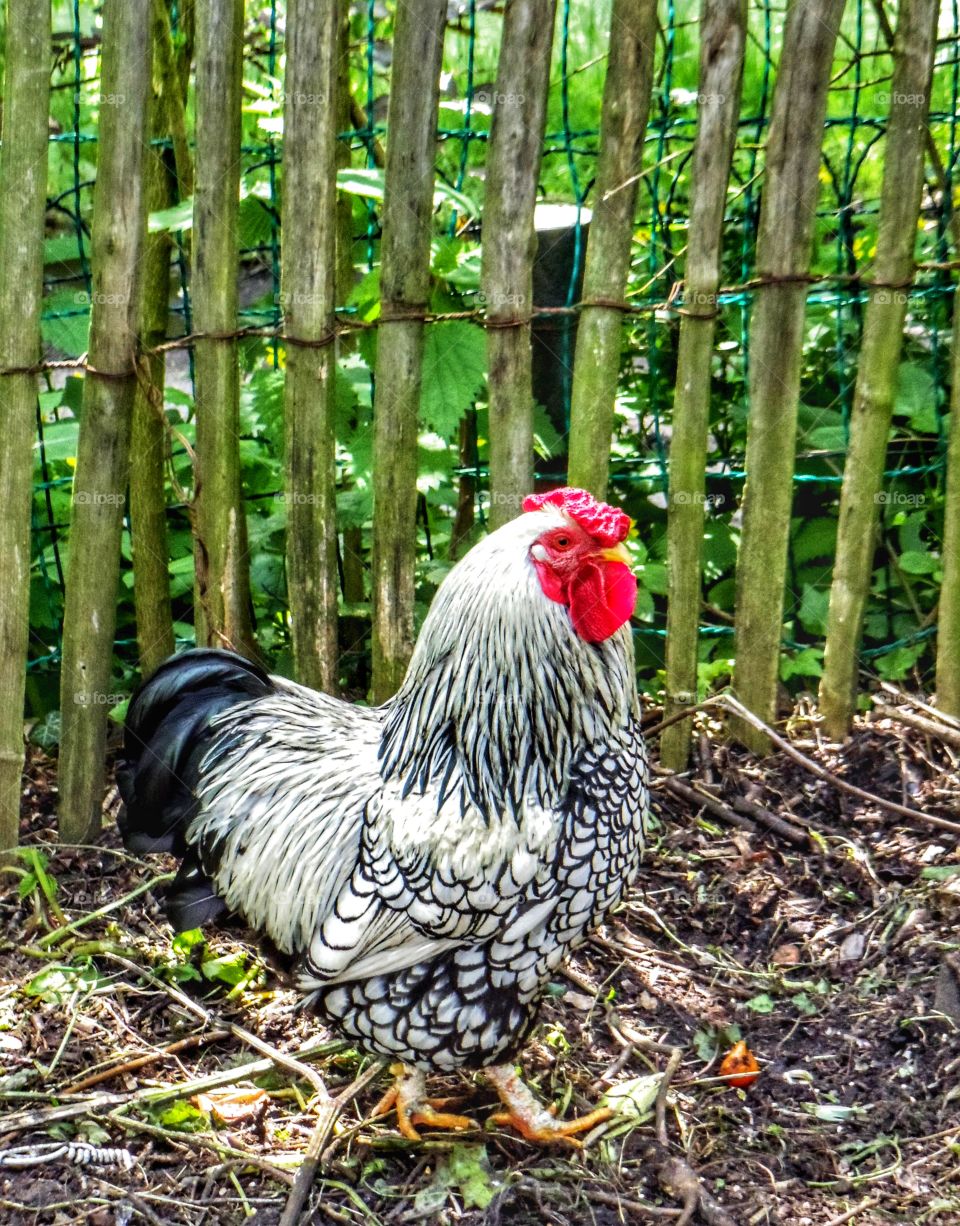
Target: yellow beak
617 553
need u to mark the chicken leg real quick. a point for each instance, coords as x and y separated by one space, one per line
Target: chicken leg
408 1096
529 1117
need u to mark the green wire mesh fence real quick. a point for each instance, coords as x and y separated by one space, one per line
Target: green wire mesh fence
901 617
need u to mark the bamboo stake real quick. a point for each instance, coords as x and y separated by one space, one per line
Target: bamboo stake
148 451
308 277
626 102
723 31
783 253
352 630
223 615
405 285
23 171
893 268
513 169
948 633
100 481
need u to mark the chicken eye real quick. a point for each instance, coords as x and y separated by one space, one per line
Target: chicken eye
562 542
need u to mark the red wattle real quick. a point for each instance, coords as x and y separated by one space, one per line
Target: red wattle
601 598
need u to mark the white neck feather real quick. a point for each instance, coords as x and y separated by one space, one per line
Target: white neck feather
501 693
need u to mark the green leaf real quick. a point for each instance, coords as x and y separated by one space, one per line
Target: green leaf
57 983
916 397
804 1004
813 610
817 538
764 1003
805 663
940 872
634 1097
65 323
46 734
896 664
180 1116
918 562
178 217
368 183
230 969
28 883
653 576
454 368
184 943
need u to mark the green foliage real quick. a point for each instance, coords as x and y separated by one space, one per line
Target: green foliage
907 570
58 983
191 961
464 1170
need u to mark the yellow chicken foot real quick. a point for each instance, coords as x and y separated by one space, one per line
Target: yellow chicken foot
529 1117
408 1096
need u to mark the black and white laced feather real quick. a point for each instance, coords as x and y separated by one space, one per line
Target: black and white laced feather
428 863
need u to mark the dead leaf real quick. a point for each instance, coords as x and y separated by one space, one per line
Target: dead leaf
232 1104
786 955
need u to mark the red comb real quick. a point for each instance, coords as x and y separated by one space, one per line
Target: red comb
607 524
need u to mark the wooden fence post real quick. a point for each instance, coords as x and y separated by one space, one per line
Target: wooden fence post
223 580
893 269
626 103
790 190
149 443
23 172
948 628
308 281
723 31
513 169
404 286
100 481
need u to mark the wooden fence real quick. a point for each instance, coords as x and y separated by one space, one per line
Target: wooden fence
123 393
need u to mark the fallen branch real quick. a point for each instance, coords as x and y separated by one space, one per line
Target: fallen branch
116 1070
660 1106
327 1116
695 796
41 1117
943 732
53 938
727 702
245 1036
204 1141
870 1203
913 701
625 1204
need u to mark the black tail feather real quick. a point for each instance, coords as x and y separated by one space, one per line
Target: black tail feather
166 734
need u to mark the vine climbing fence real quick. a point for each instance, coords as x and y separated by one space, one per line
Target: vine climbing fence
323 337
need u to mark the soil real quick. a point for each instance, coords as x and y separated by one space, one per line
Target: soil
832 951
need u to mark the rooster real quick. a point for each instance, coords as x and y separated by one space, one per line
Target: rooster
429 863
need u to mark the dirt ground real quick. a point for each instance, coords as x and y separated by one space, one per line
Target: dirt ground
130 1092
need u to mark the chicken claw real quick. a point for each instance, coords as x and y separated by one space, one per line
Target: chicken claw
530 1118
408 1096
